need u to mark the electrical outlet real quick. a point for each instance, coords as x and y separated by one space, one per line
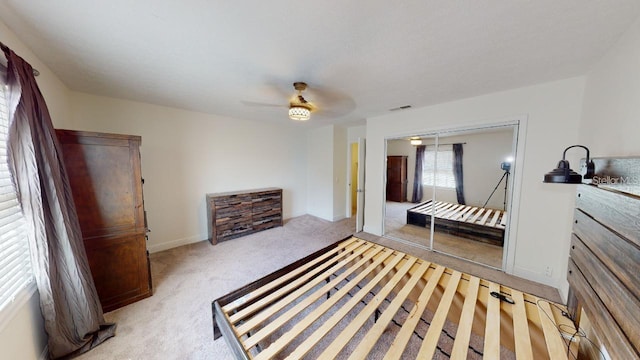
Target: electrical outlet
548 271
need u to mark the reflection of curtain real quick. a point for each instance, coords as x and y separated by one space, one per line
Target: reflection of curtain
417 176
457 172
70 306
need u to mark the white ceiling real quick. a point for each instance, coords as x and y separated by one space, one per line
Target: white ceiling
360 58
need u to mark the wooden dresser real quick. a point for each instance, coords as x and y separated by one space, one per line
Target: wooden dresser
239 213
106 182
397 178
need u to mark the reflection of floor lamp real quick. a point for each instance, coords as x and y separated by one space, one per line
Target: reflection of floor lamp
506 166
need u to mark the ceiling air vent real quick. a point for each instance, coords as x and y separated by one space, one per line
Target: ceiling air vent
403 107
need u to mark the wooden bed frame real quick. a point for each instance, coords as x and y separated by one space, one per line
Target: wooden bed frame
293 311
356 298
472 222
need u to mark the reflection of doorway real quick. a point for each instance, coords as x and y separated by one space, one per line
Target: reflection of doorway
354 178
355 201
460 228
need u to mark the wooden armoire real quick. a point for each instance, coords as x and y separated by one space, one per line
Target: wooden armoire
397 178
106 182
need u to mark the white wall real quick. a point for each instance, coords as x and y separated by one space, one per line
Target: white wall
327 172
320 172
356 132
553 111
611 113
340 157
186 155
23 336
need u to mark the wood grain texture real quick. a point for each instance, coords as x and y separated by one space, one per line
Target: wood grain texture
618 212
106 183
605 255
620 256
234 214
620 302
397 178
617 174
604 324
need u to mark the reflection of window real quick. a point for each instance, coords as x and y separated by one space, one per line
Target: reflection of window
15 264
443 175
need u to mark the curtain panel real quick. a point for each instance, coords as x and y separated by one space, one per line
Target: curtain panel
457 173
417 176
72 313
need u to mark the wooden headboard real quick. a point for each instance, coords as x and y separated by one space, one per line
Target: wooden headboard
604 263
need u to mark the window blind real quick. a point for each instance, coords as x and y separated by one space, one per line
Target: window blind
442 176
15 262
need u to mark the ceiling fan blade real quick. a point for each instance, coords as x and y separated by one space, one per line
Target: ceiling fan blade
330 102
260 104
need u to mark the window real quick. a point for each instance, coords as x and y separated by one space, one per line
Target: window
15 263
443 175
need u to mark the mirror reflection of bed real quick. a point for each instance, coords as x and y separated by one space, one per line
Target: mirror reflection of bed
470 220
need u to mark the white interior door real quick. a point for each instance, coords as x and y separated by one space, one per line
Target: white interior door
360 186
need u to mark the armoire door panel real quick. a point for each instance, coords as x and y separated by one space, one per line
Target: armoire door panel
117 281
106 193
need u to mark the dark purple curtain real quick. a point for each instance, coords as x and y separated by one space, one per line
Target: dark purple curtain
457 172
70 306
417 176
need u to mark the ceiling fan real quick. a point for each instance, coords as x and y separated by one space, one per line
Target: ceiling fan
299 108
326 102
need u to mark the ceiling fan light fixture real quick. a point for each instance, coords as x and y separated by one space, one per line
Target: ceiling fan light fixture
299 113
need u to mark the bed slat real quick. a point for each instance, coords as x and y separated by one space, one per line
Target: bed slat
463 335
433 334
495 218
492 325
555 345
475 217
289 287
345 336
483 221
284 279
403 337
283 341
383 321
521 335
274 325
317 335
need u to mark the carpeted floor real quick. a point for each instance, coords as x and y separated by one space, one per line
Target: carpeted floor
175 323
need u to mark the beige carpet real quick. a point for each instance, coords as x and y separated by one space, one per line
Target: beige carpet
175 323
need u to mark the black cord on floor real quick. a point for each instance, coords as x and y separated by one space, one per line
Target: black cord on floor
578 331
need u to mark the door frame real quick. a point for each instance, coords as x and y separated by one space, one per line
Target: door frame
515 186
360 182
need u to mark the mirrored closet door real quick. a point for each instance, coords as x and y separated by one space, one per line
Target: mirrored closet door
458 192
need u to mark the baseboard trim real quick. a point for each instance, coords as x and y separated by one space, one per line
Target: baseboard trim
535 276
175 243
